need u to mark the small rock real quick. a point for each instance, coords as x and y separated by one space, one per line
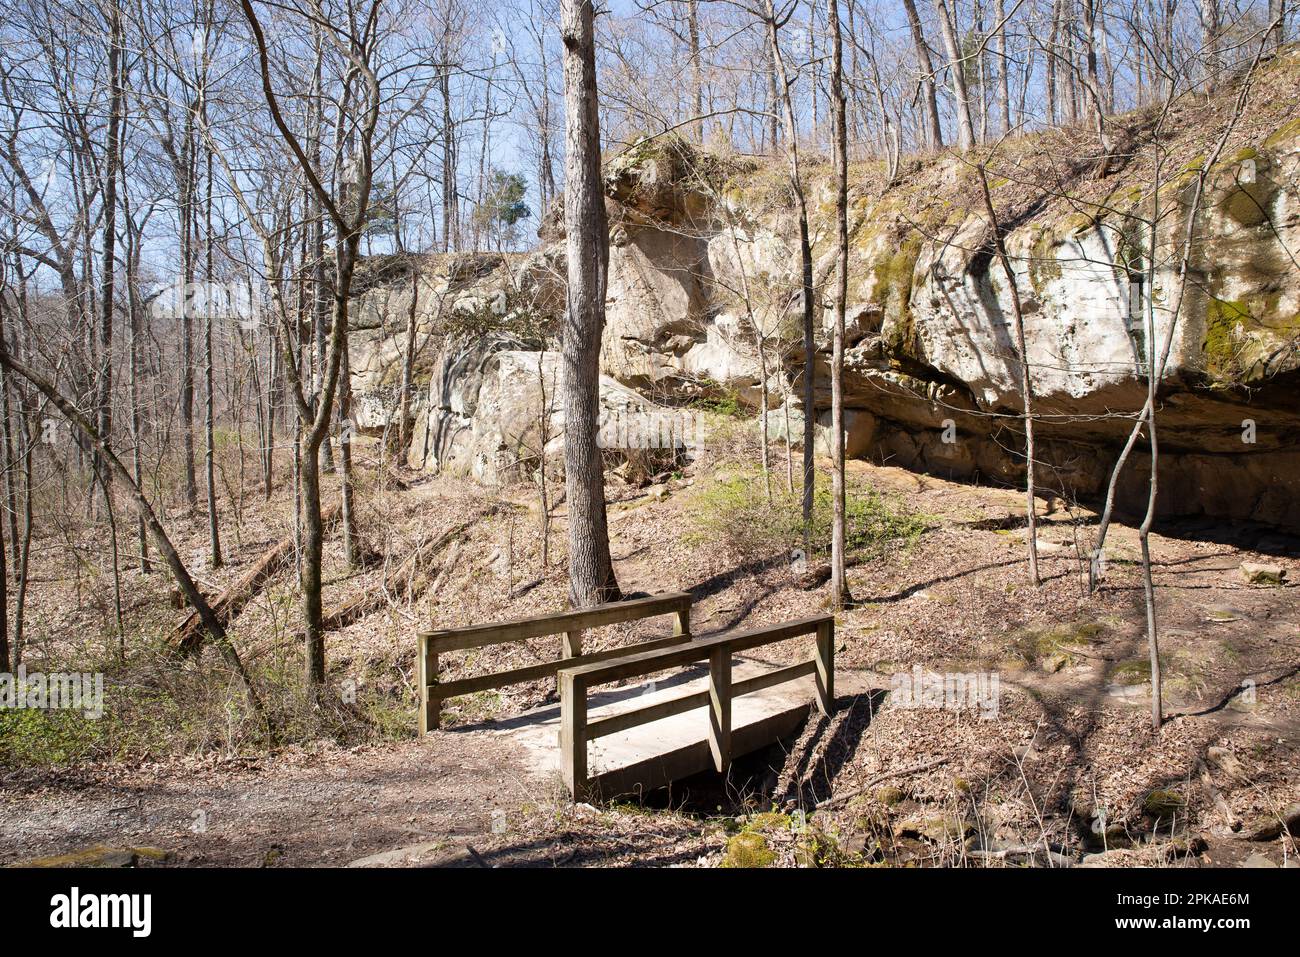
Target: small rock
890 795
748 849
101 856
1257 860
1054 663
937 827
1106 834
1259 574
1272 830
397 855
1221 615
1163 805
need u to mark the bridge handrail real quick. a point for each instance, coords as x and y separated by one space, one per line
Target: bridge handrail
570 624
576 679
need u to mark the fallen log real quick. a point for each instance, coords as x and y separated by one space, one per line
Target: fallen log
231 602
408 581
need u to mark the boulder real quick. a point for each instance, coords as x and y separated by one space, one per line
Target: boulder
1258 574
503 408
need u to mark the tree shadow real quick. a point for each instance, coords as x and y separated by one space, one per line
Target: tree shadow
832 744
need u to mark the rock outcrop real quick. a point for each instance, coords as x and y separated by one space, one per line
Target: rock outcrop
704 298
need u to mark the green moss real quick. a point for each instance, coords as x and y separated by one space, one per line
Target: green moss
1058 644
102 856
1284 135
819 849
1125 198
1222 316
1136 671
894 275
890 795
1163 805
1044 267
768 821
748 849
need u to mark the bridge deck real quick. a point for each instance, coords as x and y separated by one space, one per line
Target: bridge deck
653 755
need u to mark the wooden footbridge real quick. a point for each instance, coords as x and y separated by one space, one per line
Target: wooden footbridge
635 739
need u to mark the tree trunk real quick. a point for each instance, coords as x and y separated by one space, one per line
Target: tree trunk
957 74
929 98
591 570
1210 25
839 585
1093 84
1053 37
209 398
1026 387
188 175
697 71
351 538
404 422
1004 66
805 259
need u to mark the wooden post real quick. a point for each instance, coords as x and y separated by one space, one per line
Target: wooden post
570 647
573 733
826 667
720 708
426 662
682 621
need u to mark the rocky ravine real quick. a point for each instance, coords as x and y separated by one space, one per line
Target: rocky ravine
704 269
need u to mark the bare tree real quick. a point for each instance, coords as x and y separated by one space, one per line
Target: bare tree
591 570
354 39
840 595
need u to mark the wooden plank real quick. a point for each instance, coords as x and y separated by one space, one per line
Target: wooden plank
573 734
644 715
661 770
720 708
477 636
826 667
637 664
626 720
772 678
427 676
500 679
546 669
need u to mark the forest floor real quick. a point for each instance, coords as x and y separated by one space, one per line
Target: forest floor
1062 768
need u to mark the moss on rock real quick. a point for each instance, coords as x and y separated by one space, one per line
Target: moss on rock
748 849
1164 804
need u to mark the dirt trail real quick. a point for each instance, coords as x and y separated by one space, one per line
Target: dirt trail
957 602
329 806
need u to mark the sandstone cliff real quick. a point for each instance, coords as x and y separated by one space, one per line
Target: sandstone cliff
703 295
